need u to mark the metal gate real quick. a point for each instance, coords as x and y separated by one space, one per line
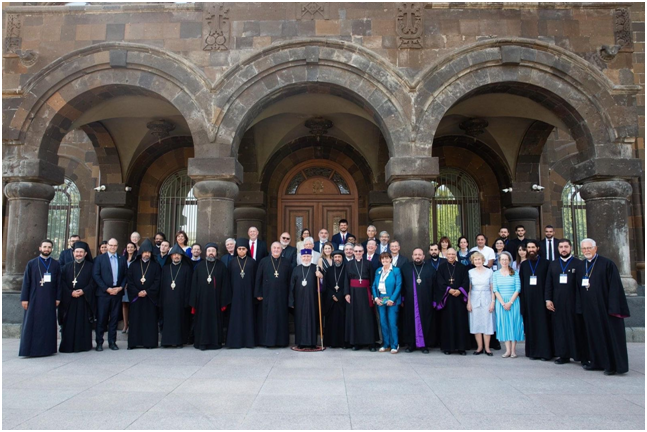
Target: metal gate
178 208
455 208
63 215
574 215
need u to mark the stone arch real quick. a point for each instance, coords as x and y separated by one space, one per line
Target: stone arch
56 95
532 145
144 160
561 81
106 152
305 149
313 64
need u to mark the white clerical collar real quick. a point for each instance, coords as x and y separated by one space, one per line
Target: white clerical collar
195 259
565 259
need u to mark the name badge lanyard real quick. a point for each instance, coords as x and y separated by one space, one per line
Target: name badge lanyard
563 277
587 272
47 277
533 278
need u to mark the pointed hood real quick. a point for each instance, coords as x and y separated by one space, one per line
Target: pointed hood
176 249
147 246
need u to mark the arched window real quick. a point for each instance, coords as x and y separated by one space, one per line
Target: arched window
178 208
573 215
455 208
63 215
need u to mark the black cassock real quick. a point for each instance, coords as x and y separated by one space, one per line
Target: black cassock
143 317
604 307
275 290
174 302
361 321
39 326
78 313
334 311
304 301
454 318
536 319
569 337
419 331
208 298
241 331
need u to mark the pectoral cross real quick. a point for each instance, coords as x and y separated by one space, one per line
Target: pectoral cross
276 273
143 279
42 282
242 274
451 281
74 283
209 279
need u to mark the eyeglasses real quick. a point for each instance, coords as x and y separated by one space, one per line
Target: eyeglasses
285 238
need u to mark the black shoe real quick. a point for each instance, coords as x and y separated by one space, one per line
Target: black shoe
447 352
545 359
409 350
609 372
355 348
534 358
99 348
113 347
372 349
489 354
590 367
562 361
477 353
425 351
462 353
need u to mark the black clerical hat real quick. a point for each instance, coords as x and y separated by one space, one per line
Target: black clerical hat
210 244
241 242
338 252
83 245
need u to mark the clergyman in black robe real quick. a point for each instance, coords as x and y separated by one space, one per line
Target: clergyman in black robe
333 303
242 277
361 319
450 299
143 291
418 286
40 295
175 289
303 298
272 289
569 338
536 318
210 296
602 301
77 301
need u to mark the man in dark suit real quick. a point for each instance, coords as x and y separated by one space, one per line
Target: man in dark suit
257 248
372 255
66 255
109 273
371 233
323 239
549 244
159 238
289 252
397 260
342 236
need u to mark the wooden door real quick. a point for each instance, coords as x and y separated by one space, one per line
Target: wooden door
314 195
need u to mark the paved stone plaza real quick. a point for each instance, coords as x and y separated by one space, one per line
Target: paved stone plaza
336 389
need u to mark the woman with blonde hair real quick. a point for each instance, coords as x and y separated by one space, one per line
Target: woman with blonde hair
480 303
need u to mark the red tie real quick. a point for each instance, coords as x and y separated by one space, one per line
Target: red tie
343 238
252 249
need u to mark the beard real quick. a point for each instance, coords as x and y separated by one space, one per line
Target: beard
532 255
306 264
337 264
176 262
79 261
46 254
158 243
434 256
418 261
284 245
211 258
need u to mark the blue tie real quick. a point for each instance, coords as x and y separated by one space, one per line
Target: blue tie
113 264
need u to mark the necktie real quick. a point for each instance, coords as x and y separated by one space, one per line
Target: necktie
343 238
113 264
550 249
252 249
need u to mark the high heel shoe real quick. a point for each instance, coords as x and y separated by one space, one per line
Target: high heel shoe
489 354
477 352
506 355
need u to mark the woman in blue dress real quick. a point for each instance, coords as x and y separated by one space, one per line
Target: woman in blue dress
509 324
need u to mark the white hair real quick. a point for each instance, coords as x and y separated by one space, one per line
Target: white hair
588 240
371 226
230 239
386 233
309 239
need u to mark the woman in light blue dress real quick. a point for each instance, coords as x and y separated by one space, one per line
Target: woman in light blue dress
509 324
480 304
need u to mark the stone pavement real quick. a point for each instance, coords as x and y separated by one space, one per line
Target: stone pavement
335 389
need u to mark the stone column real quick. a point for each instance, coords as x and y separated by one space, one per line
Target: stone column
216 190
382 218
117 223
411 190
526 216
606 223
28 205
215 211
246 217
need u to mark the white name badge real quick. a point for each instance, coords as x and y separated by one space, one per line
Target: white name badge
341 247
533 280
585 282
563 278
494 267
47 277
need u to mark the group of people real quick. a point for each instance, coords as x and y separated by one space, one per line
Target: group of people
357 294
